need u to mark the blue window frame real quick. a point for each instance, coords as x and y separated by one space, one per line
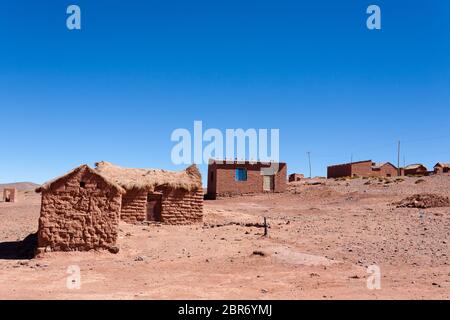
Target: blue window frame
241 174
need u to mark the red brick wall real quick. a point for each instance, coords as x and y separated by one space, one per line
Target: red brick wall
361 169
388 170
221 179
344 170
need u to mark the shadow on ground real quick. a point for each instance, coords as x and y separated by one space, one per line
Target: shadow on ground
19 250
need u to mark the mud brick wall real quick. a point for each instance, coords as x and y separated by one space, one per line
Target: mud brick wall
10 194
78 214
222 182
134 206
180 206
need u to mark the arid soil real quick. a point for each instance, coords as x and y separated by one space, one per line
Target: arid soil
322 238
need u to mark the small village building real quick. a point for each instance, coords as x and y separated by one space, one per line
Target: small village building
414 170
10 195
81 210
296 177
158 195
366 168
440 168
227 178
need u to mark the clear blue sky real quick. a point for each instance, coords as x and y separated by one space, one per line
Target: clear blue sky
138 70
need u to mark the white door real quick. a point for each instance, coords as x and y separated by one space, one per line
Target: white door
268 184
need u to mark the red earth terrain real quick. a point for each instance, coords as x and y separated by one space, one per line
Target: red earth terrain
322 238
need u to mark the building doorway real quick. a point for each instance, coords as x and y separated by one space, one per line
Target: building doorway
154 206
7 196
269 183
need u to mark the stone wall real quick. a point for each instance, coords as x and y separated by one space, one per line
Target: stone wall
134 206
180 206
79 213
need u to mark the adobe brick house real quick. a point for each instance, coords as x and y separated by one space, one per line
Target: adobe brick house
10 195
414 170
296 177
366 168
238 177
81 210
440 168
157 195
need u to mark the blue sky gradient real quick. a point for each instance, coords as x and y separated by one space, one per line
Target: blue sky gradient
137 70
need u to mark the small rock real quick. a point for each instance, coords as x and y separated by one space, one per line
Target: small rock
114 250
259 253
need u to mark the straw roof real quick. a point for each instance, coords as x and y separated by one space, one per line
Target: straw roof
149 179
47 186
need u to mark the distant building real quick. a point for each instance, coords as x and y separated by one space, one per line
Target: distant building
237 177
414 170
296 177
10 195
440 168
366 168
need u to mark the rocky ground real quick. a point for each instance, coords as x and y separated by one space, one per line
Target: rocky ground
323 236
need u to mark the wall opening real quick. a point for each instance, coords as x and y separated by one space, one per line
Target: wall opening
154 207
7 196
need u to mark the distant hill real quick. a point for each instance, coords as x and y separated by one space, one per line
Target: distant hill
21 186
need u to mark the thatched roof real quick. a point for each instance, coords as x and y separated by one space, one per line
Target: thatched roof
48 185
149 179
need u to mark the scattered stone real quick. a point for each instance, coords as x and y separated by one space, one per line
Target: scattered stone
259 253
423 201
114 250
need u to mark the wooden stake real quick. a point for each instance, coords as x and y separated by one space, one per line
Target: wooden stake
266 233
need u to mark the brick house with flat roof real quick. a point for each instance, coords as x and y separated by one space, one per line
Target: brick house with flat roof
226 178
366 168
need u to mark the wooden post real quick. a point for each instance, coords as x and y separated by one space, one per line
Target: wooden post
266 233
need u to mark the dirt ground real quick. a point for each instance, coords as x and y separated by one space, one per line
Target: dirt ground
322 238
